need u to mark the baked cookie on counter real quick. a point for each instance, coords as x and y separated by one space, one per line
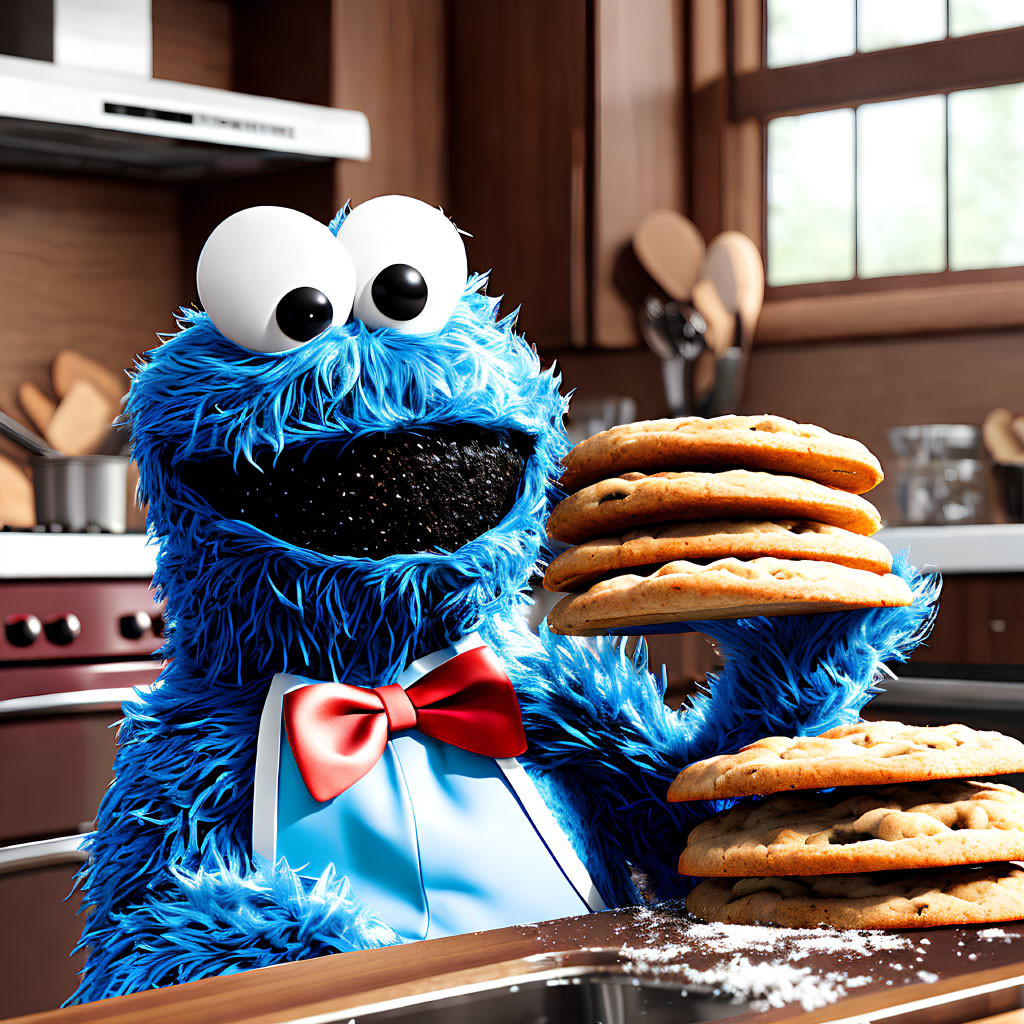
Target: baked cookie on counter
935 824
893 841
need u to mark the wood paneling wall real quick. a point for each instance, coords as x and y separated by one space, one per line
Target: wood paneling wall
84 263
862 388
639 131
519 137
193 41
390 59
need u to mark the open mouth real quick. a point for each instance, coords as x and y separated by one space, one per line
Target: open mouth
380 495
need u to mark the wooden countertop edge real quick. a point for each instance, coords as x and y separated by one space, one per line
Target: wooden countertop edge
866 1007
348 984
329 984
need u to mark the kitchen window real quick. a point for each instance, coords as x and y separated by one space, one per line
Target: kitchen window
888 142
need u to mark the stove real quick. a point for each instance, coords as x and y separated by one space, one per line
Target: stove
79 632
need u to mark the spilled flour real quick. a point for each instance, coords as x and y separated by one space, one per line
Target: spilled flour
763 983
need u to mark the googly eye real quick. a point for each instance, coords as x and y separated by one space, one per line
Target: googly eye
272 279
410 264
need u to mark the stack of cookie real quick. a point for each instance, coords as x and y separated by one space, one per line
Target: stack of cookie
690 519
906 840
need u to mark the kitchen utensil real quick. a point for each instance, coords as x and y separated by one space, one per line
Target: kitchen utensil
654 330
671 250
940 478
24 437
73 493
1000 439
70 366
82 421
1017 428
734 266
82 493
686 330
16 507
721 332
37 405
933 442
1004 441
676 335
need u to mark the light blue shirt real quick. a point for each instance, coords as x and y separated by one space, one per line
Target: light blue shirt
437 840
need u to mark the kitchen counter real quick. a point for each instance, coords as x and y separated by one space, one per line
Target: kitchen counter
49 556
616 966
983 548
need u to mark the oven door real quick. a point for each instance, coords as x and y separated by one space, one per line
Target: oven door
57 742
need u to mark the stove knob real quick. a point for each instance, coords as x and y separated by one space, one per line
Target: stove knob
22 630
63 629
158 625
134 627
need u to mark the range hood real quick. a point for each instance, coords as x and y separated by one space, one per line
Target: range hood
95 107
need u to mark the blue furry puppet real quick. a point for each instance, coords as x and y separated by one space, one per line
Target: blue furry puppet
349 460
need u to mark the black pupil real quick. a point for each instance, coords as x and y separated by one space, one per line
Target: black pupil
304 313
399 292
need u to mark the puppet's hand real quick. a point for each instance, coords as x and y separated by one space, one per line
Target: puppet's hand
223 921
600 733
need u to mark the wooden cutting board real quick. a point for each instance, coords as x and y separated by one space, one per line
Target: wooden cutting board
82 422
70 366
37 405
17 504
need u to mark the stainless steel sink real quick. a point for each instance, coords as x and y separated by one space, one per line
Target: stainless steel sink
598 995
570 995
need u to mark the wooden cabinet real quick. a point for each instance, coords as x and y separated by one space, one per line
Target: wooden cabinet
979 622
566 128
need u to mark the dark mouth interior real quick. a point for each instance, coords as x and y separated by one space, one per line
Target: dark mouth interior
380 495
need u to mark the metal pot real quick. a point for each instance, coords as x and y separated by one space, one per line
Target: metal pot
74 493
81 493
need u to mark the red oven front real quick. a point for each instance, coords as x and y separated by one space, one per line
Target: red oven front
70 653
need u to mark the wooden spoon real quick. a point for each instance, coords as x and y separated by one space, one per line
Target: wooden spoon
999 438
37 405
734 265
671 249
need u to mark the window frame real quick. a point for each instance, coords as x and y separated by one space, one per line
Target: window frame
734 94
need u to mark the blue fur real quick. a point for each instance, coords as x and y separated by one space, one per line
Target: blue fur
174 891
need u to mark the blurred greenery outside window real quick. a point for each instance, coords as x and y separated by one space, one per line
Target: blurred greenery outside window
927 183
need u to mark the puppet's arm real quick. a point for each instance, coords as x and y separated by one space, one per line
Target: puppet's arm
599 727
223 919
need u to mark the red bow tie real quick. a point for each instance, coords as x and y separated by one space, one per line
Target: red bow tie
338 732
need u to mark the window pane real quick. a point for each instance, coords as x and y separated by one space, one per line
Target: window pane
986 177
810 197
800 31
969 16
882 24
901 184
